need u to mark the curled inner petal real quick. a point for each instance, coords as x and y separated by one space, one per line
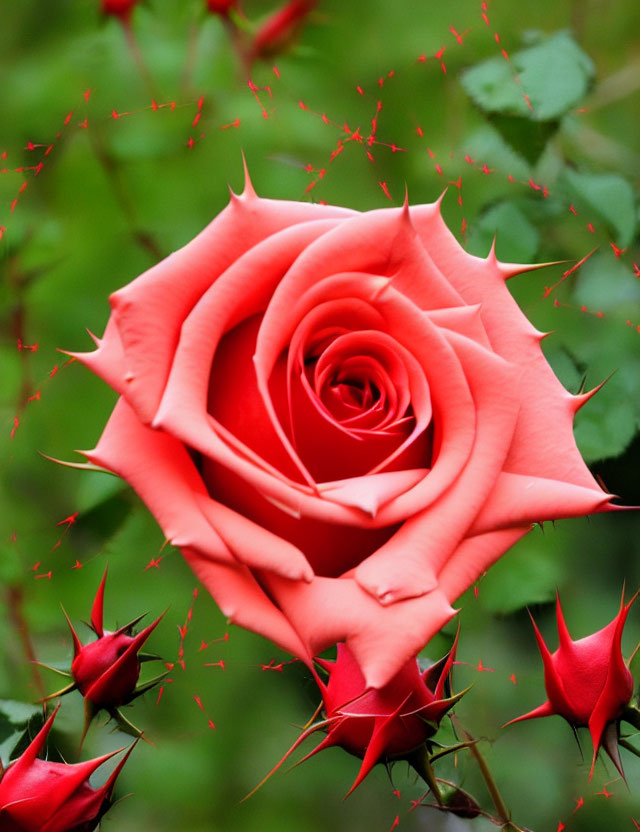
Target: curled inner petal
355 406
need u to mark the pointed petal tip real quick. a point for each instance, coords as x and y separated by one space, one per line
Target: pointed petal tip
405 204
630 603
580 399
509 270
546 709
492 257
77 644
86 466
365 768
97 610
248 190
37 743
438 202
109 785
541 336
97 341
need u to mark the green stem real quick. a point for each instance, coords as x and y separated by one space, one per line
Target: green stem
499 804
20 625
144 239
419 760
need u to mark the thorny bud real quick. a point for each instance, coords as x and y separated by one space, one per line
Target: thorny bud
379 725
280 29
221 7
118 8
43 796
587 682
106 670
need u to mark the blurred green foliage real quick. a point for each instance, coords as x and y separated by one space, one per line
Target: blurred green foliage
124 182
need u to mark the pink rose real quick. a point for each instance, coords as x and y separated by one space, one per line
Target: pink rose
341 418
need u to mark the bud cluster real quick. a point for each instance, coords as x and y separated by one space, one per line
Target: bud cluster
40 795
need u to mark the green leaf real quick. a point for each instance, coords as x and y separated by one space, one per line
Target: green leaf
16 727
608 196
607 424
555 75
606 348
18 713
528 574
487 146
607 284
528 138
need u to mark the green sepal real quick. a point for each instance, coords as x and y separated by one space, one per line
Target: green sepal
149 657
451 749
60 692
127 628
420 761
90 710
145 686
54 669
126 726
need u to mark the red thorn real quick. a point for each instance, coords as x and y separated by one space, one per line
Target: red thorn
97 610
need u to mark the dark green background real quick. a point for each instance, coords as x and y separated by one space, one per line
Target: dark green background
115 195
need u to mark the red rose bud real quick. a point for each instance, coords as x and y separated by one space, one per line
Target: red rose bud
587 682
379 724
279 30
106 671
118 8
42 796
221 7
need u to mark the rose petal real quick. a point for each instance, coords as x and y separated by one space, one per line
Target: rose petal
544 440
108 360
381 643
241 599
254 545
408 325
371 492
466 320
474 556
518 499
331 548
149 325
149 460
183 411
409 563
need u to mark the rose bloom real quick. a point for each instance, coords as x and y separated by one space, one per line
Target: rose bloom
341 418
